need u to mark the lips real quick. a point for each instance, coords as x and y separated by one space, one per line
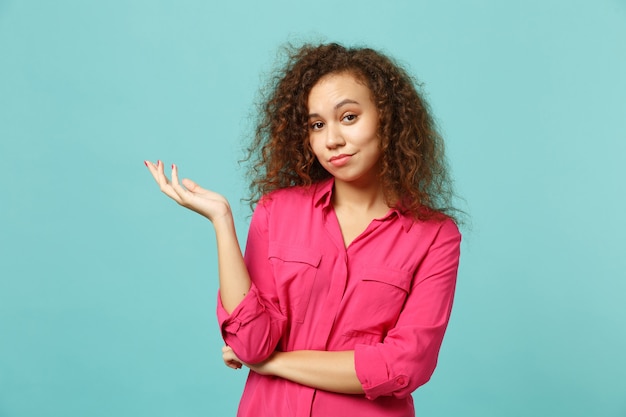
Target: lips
340 160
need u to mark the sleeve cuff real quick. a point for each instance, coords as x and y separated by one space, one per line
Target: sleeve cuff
249 308
373 374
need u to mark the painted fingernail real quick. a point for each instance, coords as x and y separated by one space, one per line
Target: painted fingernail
145 162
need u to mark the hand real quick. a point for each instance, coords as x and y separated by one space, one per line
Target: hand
205 202
232 361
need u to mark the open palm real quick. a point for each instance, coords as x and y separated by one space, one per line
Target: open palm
190 195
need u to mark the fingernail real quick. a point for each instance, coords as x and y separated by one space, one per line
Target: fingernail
173 166
158 162
145 162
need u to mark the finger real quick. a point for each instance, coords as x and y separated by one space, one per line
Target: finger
152 167
233 364
156 169
178 189
192 186
161 171
229 357
228 354
164 183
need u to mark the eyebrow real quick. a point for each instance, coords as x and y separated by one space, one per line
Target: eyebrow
337 106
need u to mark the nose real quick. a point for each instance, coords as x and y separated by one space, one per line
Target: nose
334 136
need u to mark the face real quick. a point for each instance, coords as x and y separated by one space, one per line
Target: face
343 129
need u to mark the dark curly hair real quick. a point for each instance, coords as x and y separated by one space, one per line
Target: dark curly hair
414 172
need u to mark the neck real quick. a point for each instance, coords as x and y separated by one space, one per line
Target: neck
361 197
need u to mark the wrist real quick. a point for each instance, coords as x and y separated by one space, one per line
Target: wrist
224 221
273 364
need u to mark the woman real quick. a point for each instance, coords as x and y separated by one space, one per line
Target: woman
340 304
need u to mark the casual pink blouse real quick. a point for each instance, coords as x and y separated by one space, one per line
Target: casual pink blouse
387 296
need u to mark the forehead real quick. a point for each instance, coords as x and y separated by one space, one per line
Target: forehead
338 86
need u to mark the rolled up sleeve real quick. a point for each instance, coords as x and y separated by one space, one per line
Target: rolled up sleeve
407 357
255 326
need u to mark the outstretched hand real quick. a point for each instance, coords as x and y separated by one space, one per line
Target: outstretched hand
209 204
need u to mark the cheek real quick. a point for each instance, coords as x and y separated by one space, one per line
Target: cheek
314 146
368 133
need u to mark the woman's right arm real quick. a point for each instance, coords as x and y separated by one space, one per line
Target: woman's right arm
248 313
234 279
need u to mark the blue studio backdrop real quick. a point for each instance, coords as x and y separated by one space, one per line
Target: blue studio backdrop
108 289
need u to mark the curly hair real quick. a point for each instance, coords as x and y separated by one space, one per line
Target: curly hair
414 173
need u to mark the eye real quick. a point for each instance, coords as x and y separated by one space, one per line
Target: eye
316 126
349 118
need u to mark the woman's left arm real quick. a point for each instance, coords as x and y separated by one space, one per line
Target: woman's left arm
329 371
408 355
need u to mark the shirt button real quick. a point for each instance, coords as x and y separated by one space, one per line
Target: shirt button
400 380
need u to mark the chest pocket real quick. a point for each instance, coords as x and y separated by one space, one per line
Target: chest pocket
295 269
378 300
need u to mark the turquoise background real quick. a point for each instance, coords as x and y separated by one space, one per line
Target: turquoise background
107 289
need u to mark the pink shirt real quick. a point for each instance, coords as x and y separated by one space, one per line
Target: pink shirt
387 296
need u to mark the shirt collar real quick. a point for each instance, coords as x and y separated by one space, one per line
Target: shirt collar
406 220
323 193
322 197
